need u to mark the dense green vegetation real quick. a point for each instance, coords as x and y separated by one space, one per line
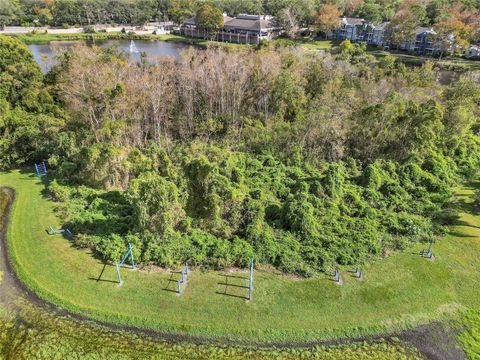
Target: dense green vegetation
400 291
471 337
455 22
49 336
305 160
35 332
86 12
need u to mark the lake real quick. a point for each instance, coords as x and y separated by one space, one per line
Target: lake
45 53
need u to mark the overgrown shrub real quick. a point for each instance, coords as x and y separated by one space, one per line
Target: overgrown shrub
217 208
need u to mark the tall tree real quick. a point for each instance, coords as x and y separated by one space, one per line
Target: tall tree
209 18
370 11
20 75
180 10
235 7
456 30
402 26
288 20
435 10
9 10
304 9
66 12
350 6
327 19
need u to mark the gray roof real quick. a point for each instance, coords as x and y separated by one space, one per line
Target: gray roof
191 21
352 21
251 23
422 29
382 26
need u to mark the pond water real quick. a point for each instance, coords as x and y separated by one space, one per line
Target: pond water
45 54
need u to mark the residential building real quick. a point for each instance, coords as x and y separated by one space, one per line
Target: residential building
352 29
423 42
247 29
359 30
379 37
473 51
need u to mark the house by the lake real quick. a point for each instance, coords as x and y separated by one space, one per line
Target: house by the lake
244 29
359 30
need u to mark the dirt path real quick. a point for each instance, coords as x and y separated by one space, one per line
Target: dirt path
434 341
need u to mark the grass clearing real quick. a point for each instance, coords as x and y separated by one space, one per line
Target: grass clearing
448 63
42 38
306 43
317 44
400 291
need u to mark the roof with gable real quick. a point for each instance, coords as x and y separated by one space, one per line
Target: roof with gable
243 22
352 21
250 22
191 21
422 29
381 26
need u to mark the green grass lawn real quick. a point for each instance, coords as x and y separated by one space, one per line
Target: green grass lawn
39 38
449 63
317 44
305 43
400 291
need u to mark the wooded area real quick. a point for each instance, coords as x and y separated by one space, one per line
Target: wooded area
301 12
304 160
454 26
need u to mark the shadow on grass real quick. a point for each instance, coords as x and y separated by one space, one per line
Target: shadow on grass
461 235
228 286
99 278
416 253
467 207
42 180
234 276
232 295
233 285
464 223
103 280
171 281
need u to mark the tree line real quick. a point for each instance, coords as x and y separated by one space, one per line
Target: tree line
137 12
456 23
303 160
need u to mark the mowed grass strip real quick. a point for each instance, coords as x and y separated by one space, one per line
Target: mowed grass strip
42 38
400 291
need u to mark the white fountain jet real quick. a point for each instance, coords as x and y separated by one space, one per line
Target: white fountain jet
133 48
